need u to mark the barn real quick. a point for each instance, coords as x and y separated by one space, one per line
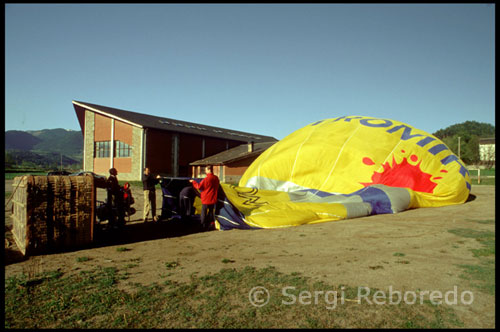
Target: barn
130 141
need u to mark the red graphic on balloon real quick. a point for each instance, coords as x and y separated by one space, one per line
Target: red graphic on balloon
403 175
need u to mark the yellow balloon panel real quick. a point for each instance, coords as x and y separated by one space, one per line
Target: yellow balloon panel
275 209
349 153
250 208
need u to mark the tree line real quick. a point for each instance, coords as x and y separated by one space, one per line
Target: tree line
19 159
463 139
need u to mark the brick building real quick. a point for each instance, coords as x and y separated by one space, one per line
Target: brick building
130 141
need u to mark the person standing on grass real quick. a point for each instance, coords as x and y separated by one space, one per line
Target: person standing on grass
209 188
148 185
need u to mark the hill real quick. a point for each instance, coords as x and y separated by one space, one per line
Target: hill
20 140
67 142
467 129
463 139
43 148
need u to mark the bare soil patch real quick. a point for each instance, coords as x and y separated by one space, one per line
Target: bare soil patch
409 251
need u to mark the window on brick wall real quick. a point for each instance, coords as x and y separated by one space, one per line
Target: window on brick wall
122 149
102 149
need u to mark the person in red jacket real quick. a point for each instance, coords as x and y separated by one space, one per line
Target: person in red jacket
208 187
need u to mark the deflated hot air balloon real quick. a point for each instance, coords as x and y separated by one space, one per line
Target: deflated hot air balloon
343 168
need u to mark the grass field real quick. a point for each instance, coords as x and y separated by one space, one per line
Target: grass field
11 176
487 176
92 300
482 274
484 172
91 297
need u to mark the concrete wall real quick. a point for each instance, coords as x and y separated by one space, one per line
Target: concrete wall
137 158
88 143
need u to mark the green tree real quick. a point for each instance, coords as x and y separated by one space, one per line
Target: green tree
469 132
467 128
10 161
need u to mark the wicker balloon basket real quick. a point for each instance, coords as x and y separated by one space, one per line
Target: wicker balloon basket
53 213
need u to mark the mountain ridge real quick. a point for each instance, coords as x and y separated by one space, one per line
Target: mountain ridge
45 148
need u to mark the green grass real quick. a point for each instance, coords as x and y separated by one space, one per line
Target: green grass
137 184
171 265
486 222
482 274
82 259
91 299
484 172
11 176
484 182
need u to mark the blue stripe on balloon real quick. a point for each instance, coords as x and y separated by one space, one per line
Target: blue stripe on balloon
377 198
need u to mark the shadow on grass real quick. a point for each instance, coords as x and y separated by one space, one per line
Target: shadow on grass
139 232
470 198
131 233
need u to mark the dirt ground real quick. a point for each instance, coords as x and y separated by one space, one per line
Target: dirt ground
356 252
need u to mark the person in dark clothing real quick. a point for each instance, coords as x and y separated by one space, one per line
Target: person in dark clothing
115 199
148 185
186 201
209 187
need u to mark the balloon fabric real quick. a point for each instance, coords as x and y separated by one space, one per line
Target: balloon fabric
343 168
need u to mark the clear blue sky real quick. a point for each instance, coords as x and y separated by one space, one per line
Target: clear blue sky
264 69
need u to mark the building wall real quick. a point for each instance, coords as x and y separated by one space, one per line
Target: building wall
123 133
238 167
137 158
195 171
100 128
88 142
487 152
166 153
158 156
199 171
216 145
102 133
234 171
229 173
170 153
101 166
191 148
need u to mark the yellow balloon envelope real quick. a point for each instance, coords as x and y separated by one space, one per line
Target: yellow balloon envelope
345 167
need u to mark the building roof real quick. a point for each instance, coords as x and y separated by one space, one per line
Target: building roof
150 121
237 153
490 140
